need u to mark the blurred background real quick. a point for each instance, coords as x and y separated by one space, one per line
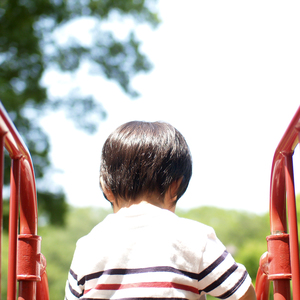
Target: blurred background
224 73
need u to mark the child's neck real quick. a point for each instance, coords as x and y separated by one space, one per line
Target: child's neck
144 200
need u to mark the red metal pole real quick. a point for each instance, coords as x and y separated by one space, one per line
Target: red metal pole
262 286
42 289
278 241
28 205
278 222
13 229
29 242
2 137
28 290
281 289
292 216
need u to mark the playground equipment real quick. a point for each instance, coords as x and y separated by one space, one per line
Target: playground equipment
26 264
281 262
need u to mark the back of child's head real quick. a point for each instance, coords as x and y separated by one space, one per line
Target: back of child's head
142 158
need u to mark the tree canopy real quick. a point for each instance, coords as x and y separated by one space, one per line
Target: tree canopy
28 48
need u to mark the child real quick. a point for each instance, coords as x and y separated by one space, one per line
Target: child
143 250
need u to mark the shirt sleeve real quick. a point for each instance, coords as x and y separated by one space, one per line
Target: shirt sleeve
73 289
220 275
75 286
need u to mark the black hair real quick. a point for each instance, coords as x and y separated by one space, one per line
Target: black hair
139 158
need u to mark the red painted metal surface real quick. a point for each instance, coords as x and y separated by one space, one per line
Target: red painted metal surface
42 286
262 285
26 263
1 193
13 229
281 263
293 228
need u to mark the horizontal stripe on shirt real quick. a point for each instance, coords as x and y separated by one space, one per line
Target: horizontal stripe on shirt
137 298
191 275
114 287
134 271
164 284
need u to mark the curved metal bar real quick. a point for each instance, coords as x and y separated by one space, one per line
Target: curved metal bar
13 141
282 193
18 150
23 194
277 188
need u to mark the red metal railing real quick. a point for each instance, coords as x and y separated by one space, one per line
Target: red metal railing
281 263
26 264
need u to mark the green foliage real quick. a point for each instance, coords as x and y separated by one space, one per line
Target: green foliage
29 47
49 209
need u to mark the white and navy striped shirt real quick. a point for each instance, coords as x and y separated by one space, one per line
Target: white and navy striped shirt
145 252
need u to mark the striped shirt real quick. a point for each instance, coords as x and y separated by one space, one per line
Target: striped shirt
145 252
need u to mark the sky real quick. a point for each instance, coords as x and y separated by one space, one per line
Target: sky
226 75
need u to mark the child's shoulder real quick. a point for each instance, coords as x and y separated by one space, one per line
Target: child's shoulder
194 226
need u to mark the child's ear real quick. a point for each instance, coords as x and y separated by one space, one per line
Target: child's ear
171 195
109 195
173 189
107 192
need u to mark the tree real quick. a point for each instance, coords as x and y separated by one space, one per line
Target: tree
28 48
